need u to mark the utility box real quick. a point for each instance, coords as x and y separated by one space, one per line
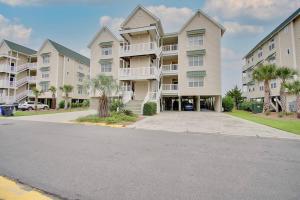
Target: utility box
257 107
7 110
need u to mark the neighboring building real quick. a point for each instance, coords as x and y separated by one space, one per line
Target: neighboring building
18 66
172 69
280 47
58 66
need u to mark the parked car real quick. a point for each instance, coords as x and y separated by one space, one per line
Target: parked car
188 106
30 106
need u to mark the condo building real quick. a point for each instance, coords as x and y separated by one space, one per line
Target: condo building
58 66
282 48
22 69
18 69
172 69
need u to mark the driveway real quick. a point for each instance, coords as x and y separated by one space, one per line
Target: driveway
209 122
56 117
91 163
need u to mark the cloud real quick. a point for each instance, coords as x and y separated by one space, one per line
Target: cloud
231 59
40 2
237 28
256 9
14 31
112 23
172 18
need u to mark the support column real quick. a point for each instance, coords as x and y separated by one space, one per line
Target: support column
179 103
198 104
218 104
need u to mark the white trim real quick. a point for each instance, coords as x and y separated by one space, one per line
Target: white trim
293 45
99 32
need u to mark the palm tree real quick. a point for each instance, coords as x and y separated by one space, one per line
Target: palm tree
104 86
67 89
52 89
36 94
294 88
236 94
265 73
284 73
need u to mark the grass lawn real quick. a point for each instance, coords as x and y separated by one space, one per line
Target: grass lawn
43 112
289 125
115 118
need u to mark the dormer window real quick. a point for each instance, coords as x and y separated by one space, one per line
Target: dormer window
106 48
46 58
271 44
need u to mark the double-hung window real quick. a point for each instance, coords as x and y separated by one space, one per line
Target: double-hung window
106 67
195 40
80 89
45 74
271 44
106 51
44 86
195 61
195 81
46 58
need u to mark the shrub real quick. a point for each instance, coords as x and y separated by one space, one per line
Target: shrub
149 108
228 104
246 105
86 103
61 104
280 115
127 112
116 105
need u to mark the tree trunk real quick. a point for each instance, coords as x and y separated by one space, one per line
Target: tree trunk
298 105
103 107
35 103
53 104
283 97
266 96
66 103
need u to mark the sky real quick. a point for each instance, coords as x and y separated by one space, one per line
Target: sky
73 23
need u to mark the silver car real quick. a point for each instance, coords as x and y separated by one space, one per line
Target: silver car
30 106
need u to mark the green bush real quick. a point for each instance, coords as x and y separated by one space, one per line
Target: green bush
116 105
228 104
61 104
86 103
246 105
149 108
127 112
115 118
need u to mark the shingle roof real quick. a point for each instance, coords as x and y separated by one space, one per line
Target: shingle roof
19 48
276 30
70 53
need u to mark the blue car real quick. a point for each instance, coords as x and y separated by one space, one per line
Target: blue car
188 107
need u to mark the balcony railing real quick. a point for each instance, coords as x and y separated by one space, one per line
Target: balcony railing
170 69
169 88
31 66
138 49
31 79
170 49
7 69
7 99
137 73
22 81
7 84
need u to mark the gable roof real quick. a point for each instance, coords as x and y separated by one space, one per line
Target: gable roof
140 7
208 17
99 32
69 53
19 48
275 31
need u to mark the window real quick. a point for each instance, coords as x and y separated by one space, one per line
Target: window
45 86
288 51
196 61
106 67
45 74
286 29
80 77
46 59
271 45
106 51
260 53
195 40
273 85
80 89
261 88
195 81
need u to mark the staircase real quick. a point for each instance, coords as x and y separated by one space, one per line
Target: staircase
135 106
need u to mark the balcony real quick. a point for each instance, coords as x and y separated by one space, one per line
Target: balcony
169 88
31 66
138 73
31 79
170 49
171 69
139 49
7 69
7 84
7 99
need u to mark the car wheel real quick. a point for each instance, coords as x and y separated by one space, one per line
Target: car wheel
30 108
46 108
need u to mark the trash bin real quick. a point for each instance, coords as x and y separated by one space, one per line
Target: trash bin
7 110
257 107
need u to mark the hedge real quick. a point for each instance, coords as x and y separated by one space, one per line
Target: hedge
228 103
149 108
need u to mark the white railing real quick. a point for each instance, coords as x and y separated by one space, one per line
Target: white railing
31 79
7 84
32 66
7 99
138 49
172 48
138 73
170 69
22 81
21 95
170 88
7 69
126 93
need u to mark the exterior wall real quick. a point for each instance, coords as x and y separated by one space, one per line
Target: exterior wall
212 58
140 19
140 61
296 30
141 89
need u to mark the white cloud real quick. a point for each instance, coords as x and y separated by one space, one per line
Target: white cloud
20 2
172 18
231 59
14 31
112 23
257 9
237 28
40 2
